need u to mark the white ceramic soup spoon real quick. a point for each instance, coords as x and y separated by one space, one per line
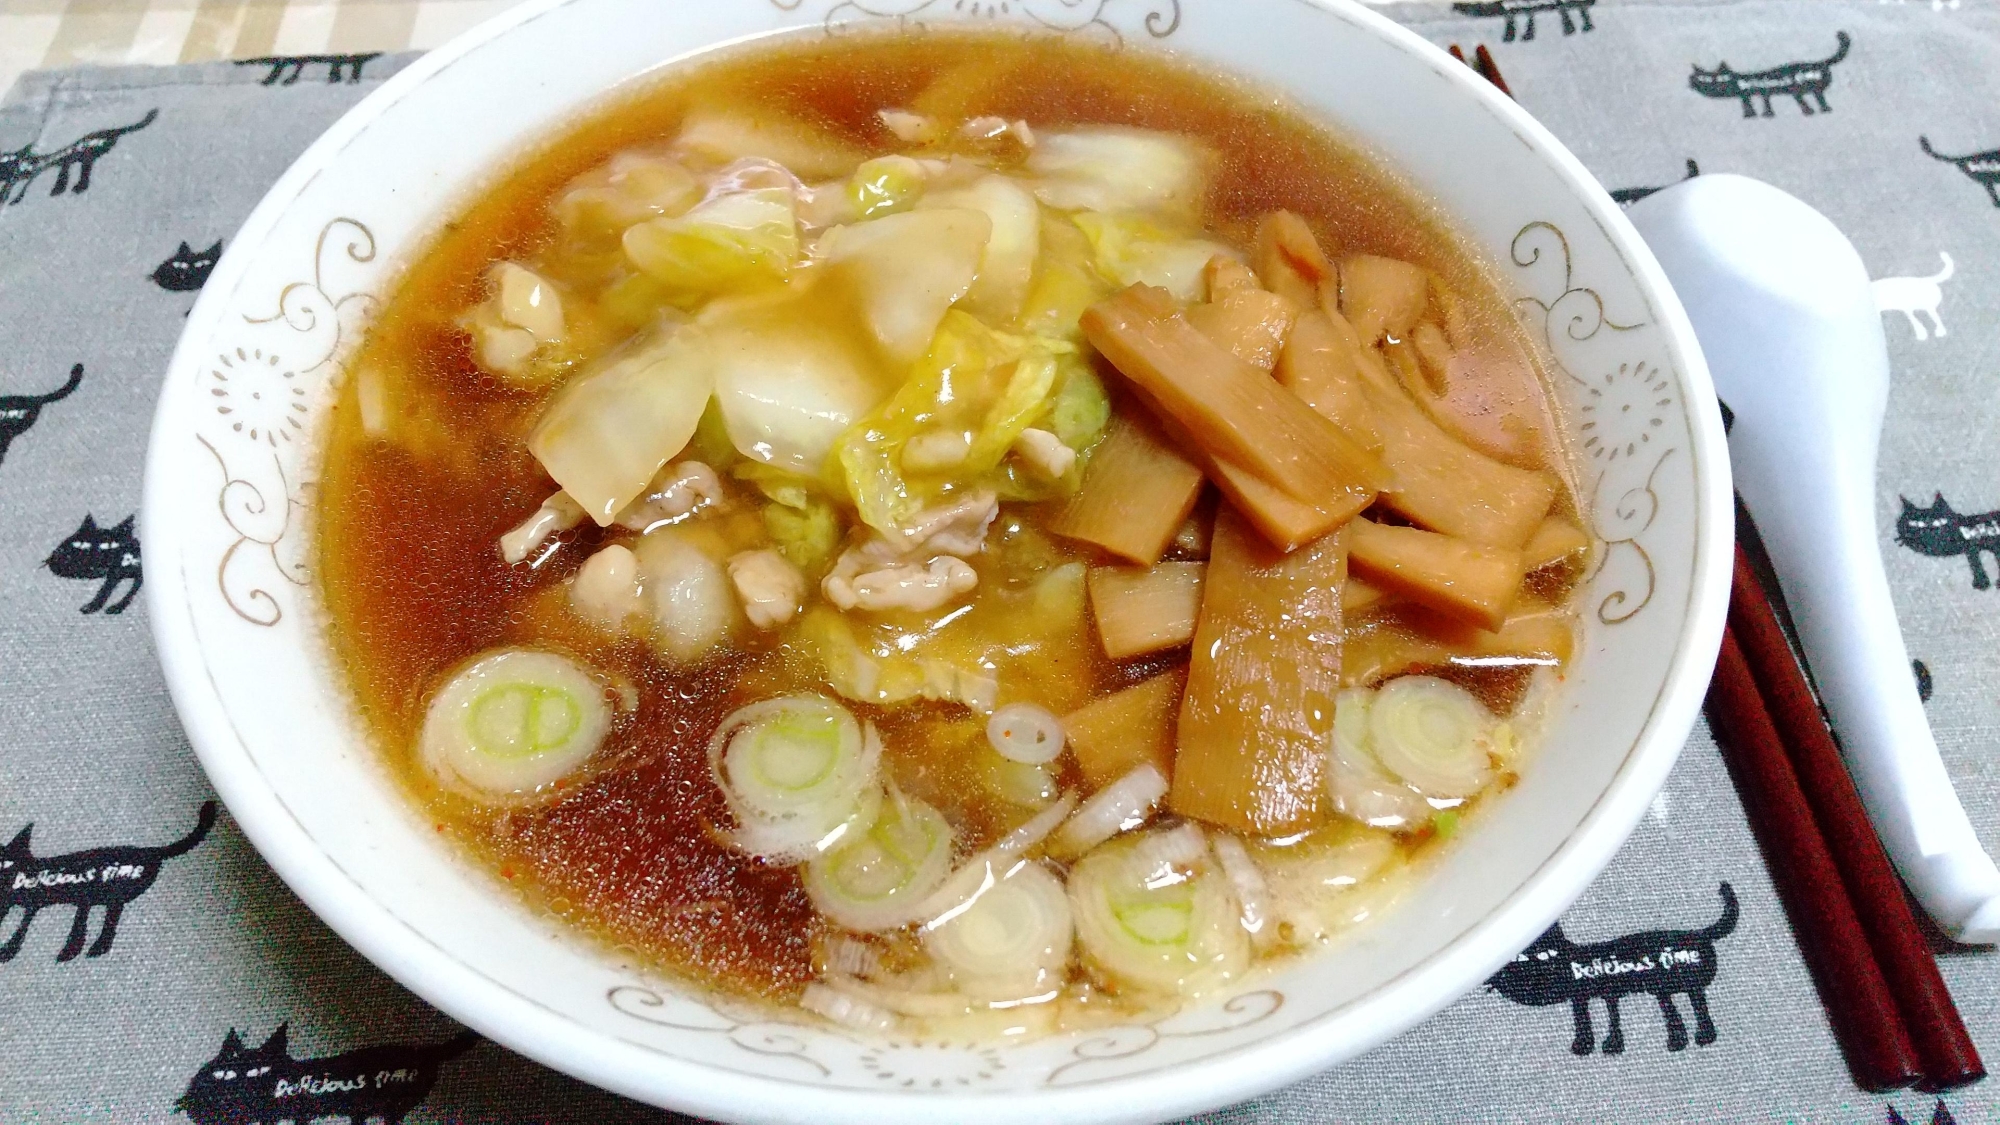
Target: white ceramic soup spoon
1781 303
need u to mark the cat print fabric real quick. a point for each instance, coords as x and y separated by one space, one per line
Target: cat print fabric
1913 295
1941 533
266 1085
1940 1115
188 269
19 413
1799 81
285 70
1661 963
1982 167
1624 196
20 167
99 877
108 556
1520 15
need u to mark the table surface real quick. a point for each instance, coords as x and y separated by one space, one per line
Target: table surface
219 946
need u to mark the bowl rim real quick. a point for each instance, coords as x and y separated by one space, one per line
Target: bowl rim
625 1067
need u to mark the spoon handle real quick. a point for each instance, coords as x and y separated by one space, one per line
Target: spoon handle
1787 319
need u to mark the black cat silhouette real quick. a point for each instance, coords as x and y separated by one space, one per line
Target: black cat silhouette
1796 79
187 270
109 555
267 1085
1556 970
1939 532
1939 1116
1515 9
290 67
1983 167
107 877
19 412
19 167
1624 196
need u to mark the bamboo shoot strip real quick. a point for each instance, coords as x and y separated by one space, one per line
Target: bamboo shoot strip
1234 411
1258 712
1447 486
1136 493
1555 540
1112 736
1323 367
1289 260
1286 522
1141 611
1382 297
1462 580
1407 638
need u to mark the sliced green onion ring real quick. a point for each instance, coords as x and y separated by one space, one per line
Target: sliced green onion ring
1012 941
1156 925
987 867
876 880
799 774
512 723
1433 734
1361 787
1118 807
1023 732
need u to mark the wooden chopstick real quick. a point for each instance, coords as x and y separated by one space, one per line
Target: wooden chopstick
1865 1019
1888 1004
1944 1047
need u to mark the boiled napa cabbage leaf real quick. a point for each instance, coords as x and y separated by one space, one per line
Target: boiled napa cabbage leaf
607 434
885 186
906 270
1008 266
1066 282
630 188
720 135
731 241
789 377
1080 410
1112 168
985 385
1134 249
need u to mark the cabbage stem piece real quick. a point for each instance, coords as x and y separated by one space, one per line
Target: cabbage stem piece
513 723
1112 736
1136 493
1154 924
799 774
1147 610
874 881
607 434
1258 709
1461 580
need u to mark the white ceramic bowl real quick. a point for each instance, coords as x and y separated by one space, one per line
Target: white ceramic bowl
229 486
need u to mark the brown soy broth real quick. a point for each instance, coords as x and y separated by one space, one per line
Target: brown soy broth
413 586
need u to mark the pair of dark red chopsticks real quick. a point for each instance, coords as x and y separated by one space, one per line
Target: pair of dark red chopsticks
1887 1004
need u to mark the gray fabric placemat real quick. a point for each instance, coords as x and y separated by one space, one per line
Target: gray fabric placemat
214 949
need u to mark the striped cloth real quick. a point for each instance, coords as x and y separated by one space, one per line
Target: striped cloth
37 34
